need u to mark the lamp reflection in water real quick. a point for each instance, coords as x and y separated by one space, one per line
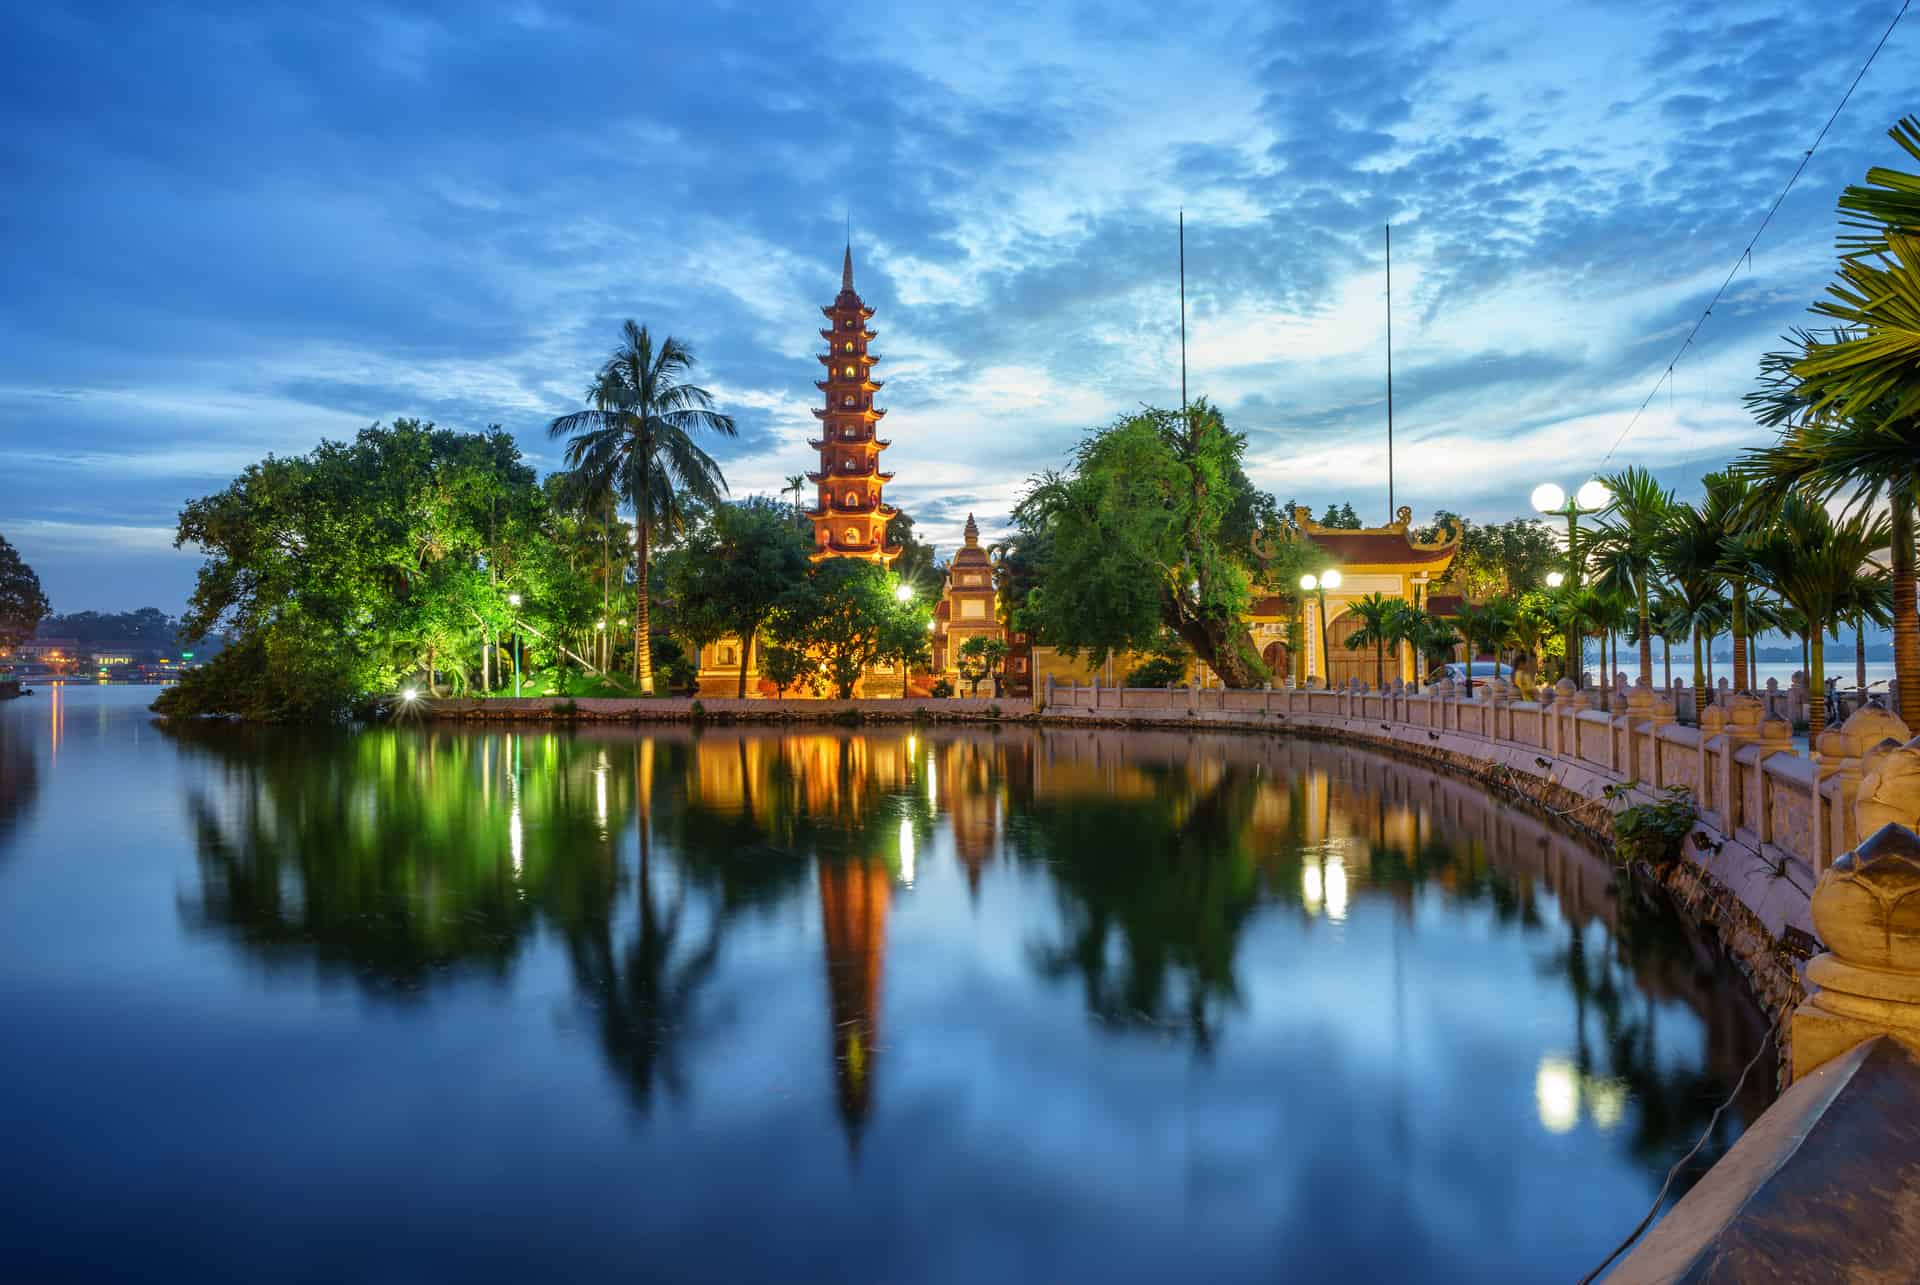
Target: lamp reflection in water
906 851
1323 886
1560 1090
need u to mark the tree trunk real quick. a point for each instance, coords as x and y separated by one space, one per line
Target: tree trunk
1646 637
746 650
1741 679
642 644
1699 679
1860 655
1816 683
1906 624
1379 663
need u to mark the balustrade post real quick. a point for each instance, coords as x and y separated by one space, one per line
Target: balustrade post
1867 983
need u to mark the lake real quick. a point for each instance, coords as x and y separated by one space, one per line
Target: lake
895 1004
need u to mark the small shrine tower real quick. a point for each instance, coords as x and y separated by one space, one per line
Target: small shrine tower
850 519
966 607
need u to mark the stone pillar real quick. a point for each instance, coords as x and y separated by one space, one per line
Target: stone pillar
1193 695
1773 695
1889 788
1566 704
1639 715
1722 693
1797 697
1743 728
1776 737
1866 909
1713 723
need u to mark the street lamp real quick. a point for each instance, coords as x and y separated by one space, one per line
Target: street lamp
1555 579
903 592
513 600
1592 497
1329 579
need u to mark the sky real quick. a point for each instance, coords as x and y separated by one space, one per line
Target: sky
236 230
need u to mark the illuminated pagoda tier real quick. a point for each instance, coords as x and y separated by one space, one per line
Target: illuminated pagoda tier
850 517
967 606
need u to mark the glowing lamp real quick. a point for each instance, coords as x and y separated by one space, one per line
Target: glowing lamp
1548 498
1555 579
1594 495
903 593
409 695
1309 582
513 599
1330 579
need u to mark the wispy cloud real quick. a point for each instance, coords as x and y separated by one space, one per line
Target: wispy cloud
264 226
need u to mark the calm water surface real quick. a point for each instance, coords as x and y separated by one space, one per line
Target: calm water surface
412 1005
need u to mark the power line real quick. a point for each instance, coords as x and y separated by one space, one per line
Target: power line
1746 255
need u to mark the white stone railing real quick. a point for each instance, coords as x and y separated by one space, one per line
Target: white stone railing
1740 763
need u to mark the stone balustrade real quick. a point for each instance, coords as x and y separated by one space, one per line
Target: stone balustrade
1749 781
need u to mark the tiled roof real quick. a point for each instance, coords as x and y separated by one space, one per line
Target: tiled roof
1376 548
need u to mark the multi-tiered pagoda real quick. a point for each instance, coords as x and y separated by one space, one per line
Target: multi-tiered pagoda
850 519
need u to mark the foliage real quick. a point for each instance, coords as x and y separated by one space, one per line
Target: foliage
1497 559
981 657
1654 832
846 617
1379 625
1151 528
1627 547
942 688
636 440
786 668
740 565
148 627
347 569
1159 671
22 604
1342 518
1485 626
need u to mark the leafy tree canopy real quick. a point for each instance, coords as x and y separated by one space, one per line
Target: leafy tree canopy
22 604
1154 526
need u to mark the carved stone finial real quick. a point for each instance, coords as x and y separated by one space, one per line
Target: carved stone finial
1866 909
1889 788
1640 697
1868 726
1713 720
1744 712
1776 731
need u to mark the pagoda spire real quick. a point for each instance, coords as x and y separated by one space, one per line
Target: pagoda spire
850 517
972 532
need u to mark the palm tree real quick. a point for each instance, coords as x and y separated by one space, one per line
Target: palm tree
1729 508
1432 637
1488 624
1690 553
1852 400
1376 614
636 440
1627 544
1823 566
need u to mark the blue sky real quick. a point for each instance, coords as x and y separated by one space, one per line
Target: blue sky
233 230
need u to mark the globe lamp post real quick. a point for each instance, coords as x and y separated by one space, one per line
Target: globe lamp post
1592 497
1319 585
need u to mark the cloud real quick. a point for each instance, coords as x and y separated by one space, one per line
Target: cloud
264 226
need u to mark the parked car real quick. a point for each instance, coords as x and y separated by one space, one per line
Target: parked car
1457 671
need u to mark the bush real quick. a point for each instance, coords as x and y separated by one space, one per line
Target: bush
1157 672
942 688
282 678
682 675
993 711
1654 832
697 711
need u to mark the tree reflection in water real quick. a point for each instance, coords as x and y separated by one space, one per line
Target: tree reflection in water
402 860
19 775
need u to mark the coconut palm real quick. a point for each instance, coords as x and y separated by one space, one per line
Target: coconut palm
1484 624
636 440
1376 613
1823 566
1432 637
1690 553
1852 398
1627 544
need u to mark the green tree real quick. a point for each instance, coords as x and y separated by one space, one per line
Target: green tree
741 567
1376 614
346 569
1692 554
636 439
1495 560
1150 529
1823 566
844 614
1484 625
785 667
22 605
1627 547
981 657
1341 517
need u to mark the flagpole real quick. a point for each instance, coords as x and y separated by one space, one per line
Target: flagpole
1391 511
1183 314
